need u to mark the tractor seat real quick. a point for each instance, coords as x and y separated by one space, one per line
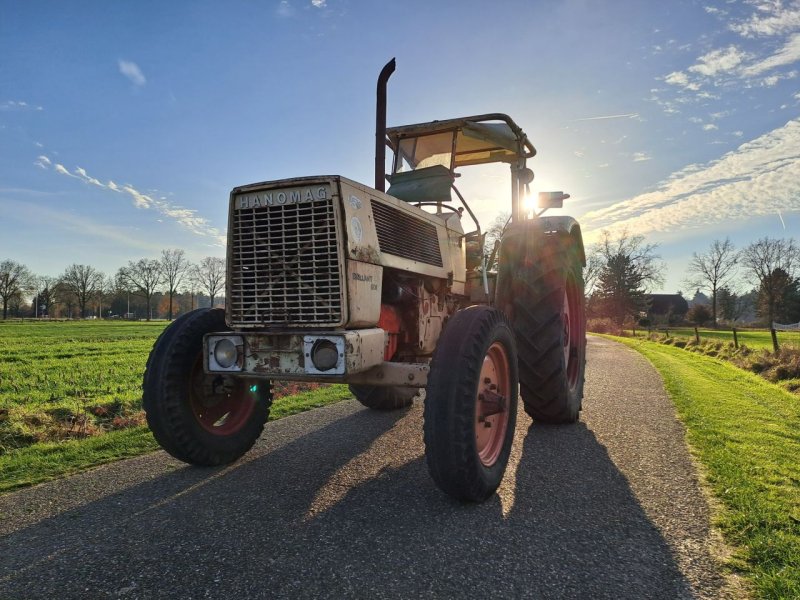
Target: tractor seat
429 184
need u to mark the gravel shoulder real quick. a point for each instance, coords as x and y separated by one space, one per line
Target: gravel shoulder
337 503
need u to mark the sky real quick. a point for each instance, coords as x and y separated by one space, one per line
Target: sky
124 125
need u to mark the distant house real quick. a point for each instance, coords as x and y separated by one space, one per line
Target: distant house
666 307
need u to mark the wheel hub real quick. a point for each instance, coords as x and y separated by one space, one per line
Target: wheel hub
491 405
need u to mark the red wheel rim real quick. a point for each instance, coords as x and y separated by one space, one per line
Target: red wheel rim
222 405
491 404
572 332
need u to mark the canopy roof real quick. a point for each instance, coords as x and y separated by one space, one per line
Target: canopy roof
479 139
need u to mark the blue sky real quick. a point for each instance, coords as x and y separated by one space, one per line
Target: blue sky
124 125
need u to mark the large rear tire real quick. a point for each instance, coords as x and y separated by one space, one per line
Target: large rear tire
199 418
383 397
546 306
471 404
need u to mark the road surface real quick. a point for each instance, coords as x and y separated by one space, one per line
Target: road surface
337 503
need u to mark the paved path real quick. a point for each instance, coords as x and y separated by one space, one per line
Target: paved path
338 503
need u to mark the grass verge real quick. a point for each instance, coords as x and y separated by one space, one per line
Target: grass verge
49 460
746 432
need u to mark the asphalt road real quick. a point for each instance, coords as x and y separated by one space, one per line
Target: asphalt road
338 503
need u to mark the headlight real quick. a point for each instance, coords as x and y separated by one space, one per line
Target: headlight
324 355
225 353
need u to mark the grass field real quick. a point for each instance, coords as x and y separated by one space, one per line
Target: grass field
745 431
70 396
753 338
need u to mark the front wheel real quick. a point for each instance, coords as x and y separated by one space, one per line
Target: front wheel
471 404
200 418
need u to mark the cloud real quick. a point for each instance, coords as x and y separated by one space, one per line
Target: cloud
63 171
604 117
758 178
42 162
284 9
774 19
82 174
677 78
641 157
319 3
19 105
132 71
788 54
710 127
719 61
185 217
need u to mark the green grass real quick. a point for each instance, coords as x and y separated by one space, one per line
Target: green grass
746 432
66 380
70 397
753 338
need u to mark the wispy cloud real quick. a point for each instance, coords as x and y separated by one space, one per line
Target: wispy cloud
185 217
719 61
788 54
604 117
758 178
641 157
132 71
319 3
743 66
284 9
42 162
772 18
19 105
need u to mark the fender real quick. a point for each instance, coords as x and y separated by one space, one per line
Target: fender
564 225
543 226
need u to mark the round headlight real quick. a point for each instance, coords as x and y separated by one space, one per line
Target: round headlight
225 353
324 355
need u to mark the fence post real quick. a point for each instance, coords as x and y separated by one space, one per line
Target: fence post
775 346
735 339
696 335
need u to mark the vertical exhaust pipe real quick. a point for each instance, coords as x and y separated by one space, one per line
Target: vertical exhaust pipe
380 127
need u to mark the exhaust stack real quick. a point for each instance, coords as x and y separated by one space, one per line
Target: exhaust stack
380 126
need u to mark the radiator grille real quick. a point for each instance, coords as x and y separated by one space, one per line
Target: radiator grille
284 266
403 235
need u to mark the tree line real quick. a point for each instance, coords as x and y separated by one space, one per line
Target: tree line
82 290
761 277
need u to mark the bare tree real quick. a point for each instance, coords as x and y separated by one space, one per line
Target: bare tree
173 269
591 272
83 281
493 235
142 278
46 295
628 270
772 263
15 280
713 270
210 275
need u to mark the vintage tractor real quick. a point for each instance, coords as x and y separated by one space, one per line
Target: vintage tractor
331 281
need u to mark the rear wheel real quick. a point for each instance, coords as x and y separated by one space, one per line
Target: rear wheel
384 398
200 418
545 302
471 404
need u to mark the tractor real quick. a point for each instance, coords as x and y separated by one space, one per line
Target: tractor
390 291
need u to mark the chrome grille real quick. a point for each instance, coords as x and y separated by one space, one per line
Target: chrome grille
284 266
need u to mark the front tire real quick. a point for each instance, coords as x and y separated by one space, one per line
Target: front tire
199 418
471 404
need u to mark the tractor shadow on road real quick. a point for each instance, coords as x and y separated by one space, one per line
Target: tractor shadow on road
348 510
